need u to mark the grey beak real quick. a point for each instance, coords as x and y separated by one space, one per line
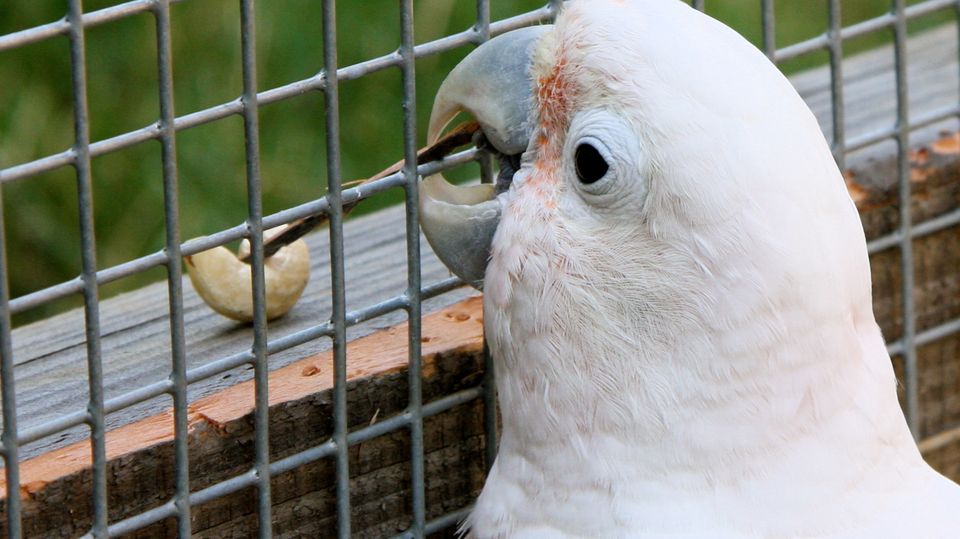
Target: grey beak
493 84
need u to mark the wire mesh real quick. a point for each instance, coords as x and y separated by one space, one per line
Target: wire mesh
340 444
178 375
94 416
328 80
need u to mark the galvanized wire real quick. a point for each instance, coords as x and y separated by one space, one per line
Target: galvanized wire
337 284
490 416
418 501
251 131
908 331
11 446
178 371
862 28
768 25
287 91
88 260
328 80
834 29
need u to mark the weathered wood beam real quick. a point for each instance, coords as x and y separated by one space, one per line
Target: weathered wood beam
140 454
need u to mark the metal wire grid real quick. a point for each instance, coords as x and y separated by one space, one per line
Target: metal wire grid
327 81
165 130
832 40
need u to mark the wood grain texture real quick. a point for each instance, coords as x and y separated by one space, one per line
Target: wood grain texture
221 441
51 366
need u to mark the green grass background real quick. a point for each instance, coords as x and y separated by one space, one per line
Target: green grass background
42 234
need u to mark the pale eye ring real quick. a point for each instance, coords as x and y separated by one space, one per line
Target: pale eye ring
589 163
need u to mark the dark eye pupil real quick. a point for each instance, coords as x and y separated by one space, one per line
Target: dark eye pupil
590 164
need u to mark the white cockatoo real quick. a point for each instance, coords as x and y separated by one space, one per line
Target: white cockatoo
676 294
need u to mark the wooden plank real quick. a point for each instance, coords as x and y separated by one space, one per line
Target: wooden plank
221 430
456 329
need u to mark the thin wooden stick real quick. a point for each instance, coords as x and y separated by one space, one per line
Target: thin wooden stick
457 137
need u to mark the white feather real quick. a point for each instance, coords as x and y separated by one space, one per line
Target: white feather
696 356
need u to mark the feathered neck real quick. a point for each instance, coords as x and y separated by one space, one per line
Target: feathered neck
636 369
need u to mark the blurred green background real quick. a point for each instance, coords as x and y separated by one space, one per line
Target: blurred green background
36 115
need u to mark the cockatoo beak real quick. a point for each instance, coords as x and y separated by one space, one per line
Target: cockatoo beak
494 85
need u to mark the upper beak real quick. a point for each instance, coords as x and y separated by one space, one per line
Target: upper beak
493 84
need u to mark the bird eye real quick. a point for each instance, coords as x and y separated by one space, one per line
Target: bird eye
591 166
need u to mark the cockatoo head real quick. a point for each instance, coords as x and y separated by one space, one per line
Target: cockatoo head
671 179
677 240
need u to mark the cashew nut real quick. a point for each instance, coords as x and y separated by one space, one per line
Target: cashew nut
224 282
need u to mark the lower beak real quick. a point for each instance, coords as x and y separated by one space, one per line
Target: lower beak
459 223
493 83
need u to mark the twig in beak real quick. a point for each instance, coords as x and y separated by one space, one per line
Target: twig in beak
457 137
